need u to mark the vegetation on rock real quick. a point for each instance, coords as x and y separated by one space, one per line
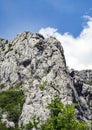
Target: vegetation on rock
43 85
11 102
2 86
62 117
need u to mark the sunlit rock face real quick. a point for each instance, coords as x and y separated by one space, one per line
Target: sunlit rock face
33 61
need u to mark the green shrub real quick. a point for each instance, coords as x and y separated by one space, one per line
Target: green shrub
2 86
29 126
43 85
33 124
3 127
17 86
63 117
11 101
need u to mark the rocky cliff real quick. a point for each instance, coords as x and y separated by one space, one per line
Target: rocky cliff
85 75
39 65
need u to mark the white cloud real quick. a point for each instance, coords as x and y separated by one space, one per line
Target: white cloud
78 51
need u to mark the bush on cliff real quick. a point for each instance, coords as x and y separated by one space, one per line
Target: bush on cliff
63 117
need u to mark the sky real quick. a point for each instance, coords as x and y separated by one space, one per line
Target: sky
70 21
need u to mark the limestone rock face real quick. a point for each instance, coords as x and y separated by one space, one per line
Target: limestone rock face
39 64
85 75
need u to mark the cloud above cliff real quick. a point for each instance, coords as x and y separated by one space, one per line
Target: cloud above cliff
78 50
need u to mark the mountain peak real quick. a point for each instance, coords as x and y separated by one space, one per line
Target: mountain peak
32 60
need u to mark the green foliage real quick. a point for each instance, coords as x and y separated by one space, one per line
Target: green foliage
17 86
29 126
91 125
33 124
63 117
11 101
42 86
2 86
3 127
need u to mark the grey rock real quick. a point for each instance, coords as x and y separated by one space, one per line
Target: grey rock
32 60
85 75
9 124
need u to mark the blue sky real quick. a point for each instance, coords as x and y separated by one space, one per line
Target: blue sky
30 15
70 21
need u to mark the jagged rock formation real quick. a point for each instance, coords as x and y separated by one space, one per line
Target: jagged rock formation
33 60
85 75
